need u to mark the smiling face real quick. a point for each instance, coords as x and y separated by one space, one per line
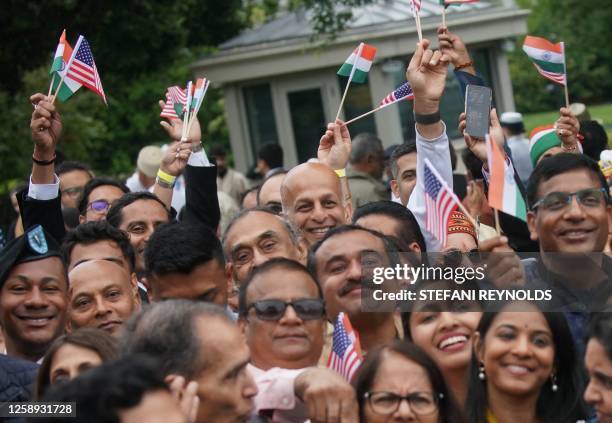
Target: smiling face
71 360
574 228
108 193
139 220
518 353
312 200
343 262
33 306
256 238
290 342
404 377
102 295
599 391
447 337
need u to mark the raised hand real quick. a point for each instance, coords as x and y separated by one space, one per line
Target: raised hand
567 127
46 127
174 128
176 157
335 146
478 145
427 76
504 266
452 45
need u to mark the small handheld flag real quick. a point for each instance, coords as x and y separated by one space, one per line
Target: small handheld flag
548 58
504 193
440 201
446 3
63 52
175 102
345 356
356 67
82 68
403 92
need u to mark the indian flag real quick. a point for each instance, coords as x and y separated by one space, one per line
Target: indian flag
504 194
357 66
548 58
199 92
58 69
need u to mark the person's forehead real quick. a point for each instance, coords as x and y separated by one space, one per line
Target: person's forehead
105 192
312 182
517 316
382 223
179 285
39 269
408 371
282 284
571 181
222 341
252 226
74 176
272 186
73 353
144 210
407 161
96 250
349 244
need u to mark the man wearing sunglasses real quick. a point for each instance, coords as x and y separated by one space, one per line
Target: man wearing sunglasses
98 195
282 314
570 215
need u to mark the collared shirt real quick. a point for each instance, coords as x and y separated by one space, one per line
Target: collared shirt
365 188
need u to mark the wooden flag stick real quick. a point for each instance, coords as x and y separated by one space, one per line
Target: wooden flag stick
567 103
418 25
197 109
497 226
370 112
444 16
74 52
357 57
51 85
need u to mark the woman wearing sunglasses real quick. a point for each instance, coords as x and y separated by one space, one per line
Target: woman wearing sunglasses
398 382
524 368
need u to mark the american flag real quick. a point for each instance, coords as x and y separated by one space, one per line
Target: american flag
440 201
82 68
345 356
175 101
403 92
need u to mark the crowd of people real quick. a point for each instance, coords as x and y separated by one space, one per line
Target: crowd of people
151 300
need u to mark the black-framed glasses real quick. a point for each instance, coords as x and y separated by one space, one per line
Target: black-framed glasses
386 403
99 206
591 198
274 310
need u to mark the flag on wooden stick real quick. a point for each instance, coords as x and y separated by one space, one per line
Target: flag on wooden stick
358 63
345 356
440 201
403 92
548 58
175 102
63 52
82 68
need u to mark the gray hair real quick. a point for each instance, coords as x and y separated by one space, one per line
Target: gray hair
166 331
364 145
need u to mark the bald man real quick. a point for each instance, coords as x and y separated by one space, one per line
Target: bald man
311 196
103 295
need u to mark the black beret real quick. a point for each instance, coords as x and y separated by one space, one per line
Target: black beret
34 244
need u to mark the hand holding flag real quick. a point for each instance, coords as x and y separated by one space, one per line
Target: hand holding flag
174 127
345 356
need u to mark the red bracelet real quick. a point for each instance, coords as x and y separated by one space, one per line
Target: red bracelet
464 65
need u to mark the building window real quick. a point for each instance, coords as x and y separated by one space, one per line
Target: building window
358 101
260 115
307 120
452 103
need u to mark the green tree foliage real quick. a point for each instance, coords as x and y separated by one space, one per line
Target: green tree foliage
585 28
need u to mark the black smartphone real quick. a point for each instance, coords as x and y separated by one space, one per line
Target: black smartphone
477 109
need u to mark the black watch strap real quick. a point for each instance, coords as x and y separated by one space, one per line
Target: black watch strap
427 119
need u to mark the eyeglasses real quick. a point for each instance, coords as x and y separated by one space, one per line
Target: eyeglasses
99 206
386 403
555 201
274 310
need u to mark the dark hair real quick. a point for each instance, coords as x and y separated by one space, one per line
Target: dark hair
403 149
389 244
101 393
364 145
272 175
167 331
600 328
254 189
410 231
180 248
97 340
472 163
92 232
558 164
551 407
69 166
272 264
514 128
93 184
272 154
217 150
115 215
244 213
595 138
448 409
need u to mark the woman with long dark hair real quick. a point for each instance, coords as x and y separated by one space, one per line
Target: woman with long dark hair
399 382
524 368
72 354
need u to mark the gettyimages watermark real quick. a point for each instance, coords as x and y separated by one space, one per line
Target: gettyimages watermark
455 281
